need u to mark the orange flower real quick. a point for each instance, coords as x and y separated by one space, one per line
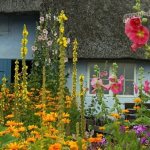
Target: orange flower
66 115
94 140
125 111
11 123
9 116
56 146
73 145
13 146
65 120
31 139
21 129
136 107
137 100
31 127
115 115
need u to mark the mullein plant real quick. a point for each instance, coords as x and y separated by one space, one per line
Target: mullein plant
62 41
16 92
24 51
82 104
2 100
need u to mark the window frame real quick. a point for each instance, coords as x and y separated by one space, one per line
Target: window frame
110 94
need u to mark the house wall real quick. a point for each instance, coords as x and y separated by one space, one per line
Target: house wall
11 26
82 68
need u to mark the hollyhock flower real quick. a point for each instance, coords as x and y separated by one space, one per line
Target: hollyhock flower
135 46
41 19
112 78
147 87
116 88
139 35
136 88
132 23
103 74
96 82
45 31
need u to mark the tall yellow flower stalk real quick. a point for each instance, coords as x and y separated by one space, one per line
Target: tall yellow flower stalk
2 100
16 91
62 41
82 94
24 51
74 72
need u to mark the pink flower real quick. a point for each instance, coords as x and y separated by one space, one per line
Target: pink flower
136 89
116 87
103 74
134 47
112 78
95 82
136 32
147 87
139 35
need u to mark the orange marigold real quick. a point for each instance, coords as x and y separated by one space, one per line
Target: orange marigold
56 146
137 100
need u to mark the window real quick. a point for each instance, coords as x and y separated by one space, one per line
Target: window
125 69
3 24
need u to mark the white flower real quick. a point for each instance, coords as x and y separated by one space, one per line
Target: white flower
38 27
66 59
34 48
45 31
68 40
39 37
41 19
49 43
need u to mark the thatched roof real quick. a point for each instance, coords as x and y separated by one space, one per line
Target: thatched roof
97 24
9 6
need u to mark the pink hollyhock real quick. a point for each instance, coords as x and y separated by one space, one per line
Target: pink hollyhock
139 35
131 24
116 88
136 89
147 86
103 74
134 47
112 78
96 82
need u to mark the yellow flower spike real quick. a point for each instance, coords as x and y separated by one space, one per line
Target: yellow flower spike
25 31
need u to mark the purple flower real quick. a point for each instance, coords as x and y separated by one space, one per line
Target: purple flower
139 129
103 141
143 140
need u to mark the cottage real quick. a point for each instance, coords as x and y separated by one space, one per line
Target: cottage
98 26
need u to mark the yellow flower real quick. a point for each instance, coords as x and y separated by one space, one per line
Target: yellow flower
24 41
11 123
102 128
62 29
62 17
137 100
66 115
65 120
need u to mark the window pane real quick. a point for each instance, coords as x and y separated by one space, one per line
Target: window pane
121 69
129 88
129 71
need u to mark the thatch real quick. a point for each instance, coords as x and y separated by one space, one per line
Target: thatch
97 24
9 6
